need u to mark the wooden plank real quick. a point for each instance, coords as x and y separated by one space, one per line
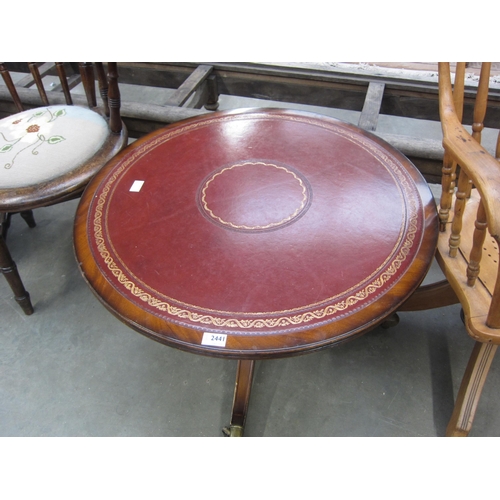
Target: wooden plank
371 108
190 86
415 146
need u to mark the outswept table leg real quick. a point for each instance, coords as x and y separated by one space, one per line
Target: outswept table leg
242 388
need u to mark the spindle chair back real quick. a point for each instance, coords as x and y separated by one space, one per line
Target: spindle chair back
469 214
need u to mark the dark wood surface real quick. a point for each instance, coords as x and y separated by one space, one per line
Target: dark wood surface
285 231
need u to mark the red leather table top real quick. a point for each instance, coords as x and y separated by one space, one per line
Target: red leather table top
285 231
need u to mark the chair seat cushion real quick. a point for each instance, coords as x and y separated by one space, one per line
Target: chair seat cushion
44 143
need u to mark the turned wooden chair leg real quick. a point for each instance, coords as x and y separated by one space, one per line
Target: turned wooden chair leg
9 269
5 218
242 388
470 390
4 224
27 215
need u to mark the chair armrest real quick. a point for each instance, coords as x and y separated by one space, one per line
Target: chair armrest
482 168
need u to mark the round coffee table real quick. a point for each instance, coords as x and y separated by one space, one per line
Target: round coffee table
255 234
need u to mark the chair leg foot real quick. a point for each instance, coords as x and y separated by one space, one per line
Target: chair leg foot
9 269
470 389
25 303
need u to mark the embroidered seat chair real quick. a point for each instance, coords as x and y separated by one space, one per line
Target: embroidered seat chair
48 154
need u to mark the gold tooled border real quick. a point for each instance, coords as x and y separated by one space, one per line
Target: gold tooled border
258 323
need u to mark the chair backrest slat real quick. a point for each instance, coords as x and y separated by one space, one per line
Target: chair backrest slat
103 86
458 90
39 83
87 73
115 123
64 82
11 87
481 102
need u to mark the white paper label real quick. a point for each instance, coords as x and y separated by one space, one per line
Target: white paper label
136 186
215 339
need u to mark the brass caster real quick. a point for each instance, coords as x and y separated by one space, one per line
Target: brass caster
233 431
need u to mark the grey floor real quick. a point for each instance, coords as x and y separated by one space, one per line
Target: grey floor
72 369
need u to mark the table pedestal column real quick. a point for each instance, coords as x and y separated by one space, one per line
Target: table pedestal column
242 388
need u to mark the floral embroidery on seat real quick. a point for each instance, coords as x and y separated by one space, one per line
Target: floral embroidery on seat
34 128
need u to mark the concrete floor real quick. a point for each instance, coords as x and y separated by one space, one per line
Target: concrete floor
72 369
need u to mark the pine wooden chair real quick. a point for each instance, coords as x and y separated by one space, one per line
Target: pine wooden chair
469 214
49 153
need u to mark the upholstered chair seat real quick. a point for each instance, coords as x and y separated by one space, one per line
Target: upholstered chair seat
44 143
